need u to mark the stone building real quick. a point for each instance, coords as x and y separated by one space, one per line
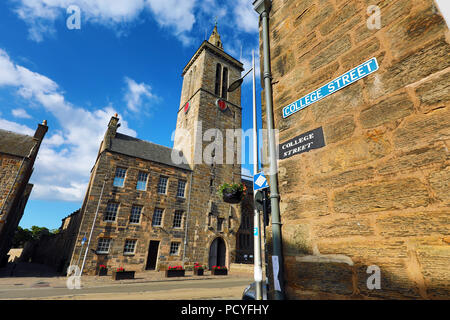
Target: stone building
155 206
376 191
18 153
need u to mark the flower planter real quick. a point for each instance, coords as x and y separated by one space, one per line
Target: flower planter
232 196
198 272
102 272
219 272
174 273
123 275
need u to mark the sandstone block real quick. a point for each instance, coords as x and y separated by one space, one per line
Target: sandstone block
414 224
393 108
434 92
331 53
297 239
440 183
411 68
423 129
404 193
414 159
341 179
434 262
339 130
343 227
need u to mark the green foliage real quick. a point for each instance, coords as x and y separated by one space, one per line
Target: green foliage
232 187
22 236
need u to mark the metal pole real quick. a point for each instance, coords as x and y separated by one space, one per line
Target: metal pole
81 250
92 228
263 8
257 220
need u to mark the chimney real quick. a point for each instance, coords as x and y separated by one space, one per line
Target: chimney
110 132
41 131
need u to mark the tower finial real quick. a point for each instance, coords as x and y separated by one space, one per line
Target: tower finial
215 37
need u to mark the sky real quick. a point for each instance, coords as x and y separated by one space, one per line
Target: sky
126 57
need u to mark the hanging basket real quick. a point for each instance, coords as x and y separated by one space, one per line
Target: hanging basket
232 196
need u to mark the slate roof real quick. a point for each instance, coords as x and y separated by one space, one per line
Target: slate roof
145 150
16 144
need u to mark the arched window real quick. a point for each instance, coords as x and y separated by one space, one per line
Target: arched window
218 72
225 83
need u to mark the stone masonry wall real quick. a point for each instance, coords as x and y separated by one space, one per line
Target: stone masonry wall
378 192
122 229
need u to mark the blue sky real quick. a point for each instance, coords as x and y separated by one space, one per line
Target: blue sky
126 58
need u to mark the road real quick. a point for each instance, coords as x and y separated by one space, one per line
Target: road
185 289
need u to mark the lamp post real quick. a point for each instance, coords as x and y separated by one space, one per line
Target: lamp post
262 7
257 219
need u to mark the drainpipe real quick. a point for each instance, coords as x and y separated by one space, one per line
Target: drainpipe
263 8
187 220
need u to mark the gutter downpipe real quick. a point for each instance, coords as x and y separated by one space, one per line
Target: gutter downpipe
263 8
187 220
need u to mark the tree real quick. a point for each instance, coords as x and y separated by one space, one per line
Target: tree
21 236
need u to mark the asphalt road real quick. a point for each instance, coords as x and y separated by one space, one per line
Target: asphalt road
199 289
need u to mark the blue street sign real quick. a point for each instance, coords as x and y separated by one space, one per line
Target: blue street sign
260 181
331 87
83 240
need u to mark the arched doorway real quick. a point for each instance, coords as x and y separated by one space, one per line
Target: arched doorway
217 253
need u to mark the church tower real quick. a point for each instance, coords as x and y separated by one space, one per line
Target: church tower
206 115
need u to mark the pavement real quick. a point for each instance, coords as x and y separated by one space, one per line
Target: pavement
30 281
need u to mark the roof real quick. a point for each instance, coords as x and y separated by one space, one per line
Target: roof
16 144
145 150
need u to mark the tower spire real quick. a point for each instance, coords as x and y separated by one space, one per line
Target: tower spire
215 37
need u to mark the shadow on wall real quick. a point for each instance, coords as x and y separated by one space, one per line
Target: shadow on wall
311 275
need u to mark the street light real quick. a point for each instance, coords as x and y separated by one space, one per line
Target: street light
257 221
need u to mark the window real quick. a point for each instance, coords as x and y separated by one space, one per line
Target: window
174 248
119 179
103 245
130 247
218 72
135 216
162 185
142 181
181 188
220 224
177 219
225 83
157 217
111 212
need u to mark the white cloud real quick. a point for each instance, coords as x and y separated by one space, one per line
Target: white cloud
20 113
67 156
15 127
246 17
137 94
181 17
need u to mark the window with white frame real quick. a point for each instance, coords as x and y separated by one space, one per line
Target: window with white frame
178 219
135 216
103 245
142 181
181 190
162 185
119 178
157 217
111 212
174 248
130 247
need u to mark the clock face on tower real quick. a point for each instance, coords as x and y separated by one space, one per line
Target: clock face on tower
221 104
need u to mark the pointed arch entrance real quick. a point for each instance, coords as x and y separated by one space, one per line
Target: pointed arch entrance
217 253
